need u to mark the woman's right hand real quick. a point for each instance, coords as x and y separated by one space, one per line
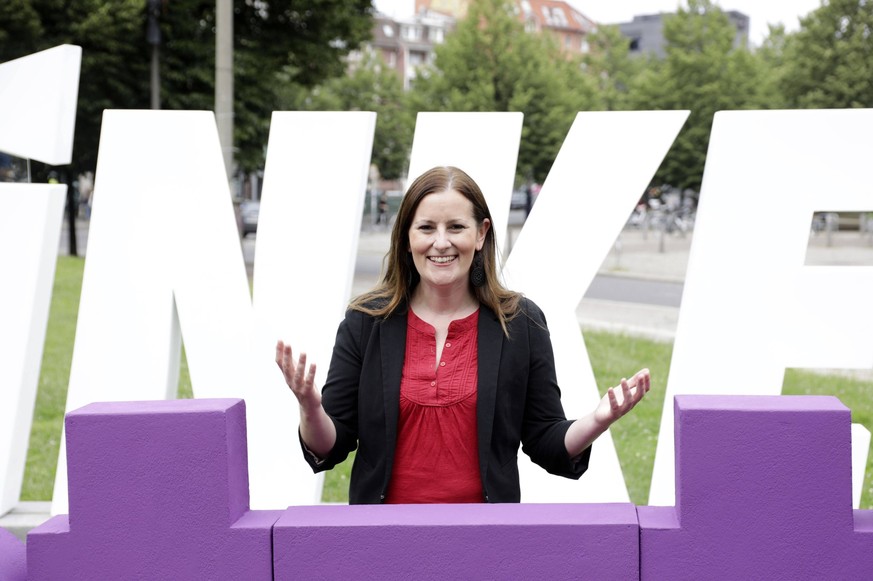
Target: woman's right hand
303 387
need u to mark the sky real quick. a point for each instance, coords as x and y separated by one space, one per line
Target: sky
760 12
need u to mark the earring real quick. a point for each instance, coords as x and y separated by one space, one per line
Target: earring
477 271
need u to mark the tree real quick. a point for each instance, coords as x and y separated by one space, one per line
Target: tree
303 42
370 86
770 58
276 43
114 71
491 64
829 61
704 73
20 29
610 66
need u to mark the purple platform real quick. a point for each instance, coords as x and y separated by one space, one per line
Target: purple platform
456 541
763 492
13 559
158 490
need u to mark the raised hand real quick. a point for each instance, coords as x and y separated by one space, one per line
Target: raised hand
622 398
302 386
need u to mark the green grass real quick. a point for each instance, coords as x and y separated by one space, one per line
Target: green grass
51 397
612 357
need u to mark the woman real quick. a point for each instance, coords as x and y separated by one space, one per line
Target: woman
440 373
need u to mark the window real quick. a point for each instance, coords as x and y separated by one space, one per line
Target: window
417 58
555 16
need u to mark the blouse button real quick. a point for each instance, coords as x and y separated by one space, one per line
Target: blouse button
448 344
433 383
442 363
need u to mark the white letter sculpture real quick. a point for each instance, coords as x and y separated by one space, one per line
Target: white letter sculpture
484 145
605 164
37 117
164 256
750 307
38 104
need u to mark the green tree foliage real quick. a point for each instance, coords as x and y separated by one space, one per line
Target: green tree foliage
114 71
369 86
770 58
610 66
303 42
491 64
19 28
829 61
703 73
276 42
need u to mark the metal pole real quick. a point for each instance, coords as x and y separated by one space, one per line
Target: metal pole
224 80
153 37
156 76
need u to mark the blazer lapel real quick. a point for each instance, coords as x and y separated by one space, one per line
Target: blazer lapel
490 346
393 351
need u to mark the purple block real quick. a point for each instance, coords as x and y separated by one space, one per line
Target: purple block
13 559
763 491
158 490
501 541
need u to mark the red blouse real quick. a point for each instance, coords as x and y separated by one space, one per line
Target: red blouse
437 455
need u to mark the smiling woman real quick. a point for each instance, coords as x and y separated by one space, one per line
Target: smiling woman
440 373
443 240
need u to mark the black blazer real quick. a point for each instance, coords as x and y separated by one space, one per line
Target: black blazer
518 401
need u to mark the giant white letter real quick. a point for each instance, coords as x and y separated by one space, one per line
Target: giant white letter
605 164
37 114
164 256
750 307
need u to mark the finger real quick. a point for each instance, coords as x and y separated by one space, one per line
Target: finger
283 355
301 367
646 379
639 393
613 402
625 392
310 377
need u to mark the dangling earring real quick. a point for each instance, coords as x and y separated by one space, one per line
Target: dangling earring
477 271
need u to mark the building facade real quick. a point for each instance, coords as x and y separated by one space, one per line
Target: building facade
407 45
646 32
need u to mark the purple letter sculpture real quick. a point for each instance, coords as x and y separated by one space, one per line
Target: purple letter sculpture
458 541
13 560
763 491
158 490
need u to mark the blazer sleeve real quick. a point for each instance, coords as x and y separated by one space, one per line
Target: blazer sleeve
339 396
545 423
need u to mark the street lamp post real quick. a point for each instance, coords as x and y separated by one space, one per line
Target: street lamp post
153 37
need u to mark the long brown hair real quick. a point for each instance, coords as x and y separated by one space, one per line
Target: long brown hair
401 277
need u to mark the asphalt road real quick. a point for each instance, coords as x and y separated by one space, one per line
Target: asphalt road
635 290
604 287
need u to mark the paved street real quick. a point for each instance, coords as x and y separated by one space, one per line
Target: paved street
639 286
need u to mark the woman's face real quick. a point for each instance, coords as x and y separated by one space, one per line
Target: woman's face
443 237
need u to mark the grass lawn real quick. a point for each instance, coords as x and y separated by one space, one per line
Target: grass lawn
612 356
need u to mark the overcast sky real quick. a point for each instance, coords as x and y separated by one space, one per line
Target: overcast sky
761 12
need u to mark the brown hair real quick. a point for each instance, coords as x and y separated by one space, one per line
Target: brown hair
400 278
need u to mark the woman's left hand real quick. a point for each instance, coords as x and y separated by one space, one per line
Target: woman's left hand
622 398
